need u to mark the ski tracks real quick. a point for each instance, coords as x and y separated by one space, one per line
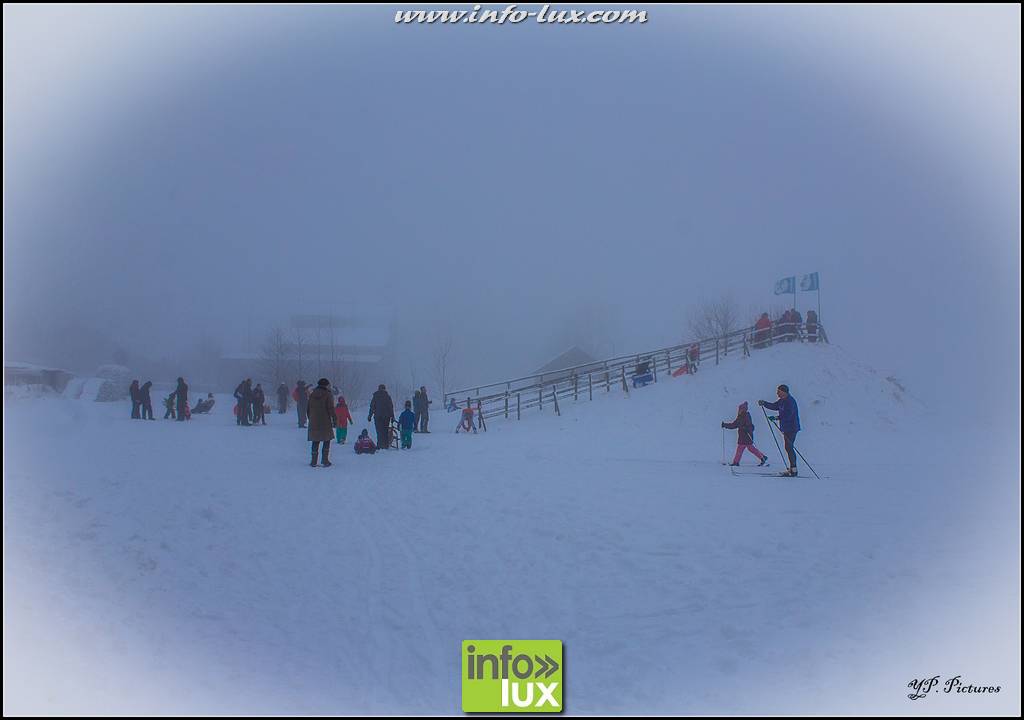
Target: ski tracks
396 607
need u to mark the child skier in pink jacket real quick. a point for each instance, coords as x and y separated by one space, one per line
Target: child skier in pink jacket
744 426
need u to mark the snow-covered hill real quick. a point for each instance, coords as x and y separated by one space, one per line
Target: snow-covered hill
202 567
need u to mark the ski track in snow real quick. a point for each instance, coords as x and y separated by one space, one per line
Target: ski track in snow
212 566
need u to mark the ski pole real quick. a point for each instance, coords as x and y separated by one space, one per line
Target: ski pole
809 466
771 429
723 446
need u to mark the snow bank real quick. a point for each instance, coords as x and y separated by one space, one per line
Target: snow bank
201 567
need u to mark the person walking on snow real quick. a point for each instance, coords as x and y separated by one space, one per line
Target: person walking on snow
147 400
133 391
180 396
789 423
344 417
258 409
320 411
282 399
406 425
243 394
382 412
421 408
744 427
301 400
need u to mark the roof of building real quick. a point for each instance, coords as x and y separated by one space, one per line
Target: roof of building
570 358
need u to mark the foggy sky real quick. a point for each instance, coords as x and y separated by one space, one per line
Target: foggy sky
174 172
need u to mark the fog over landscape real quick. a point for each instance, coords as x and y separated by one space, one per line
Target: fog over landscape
191 175
257 211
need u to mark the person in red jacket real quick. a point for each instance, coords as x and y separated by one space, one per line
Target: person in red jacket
364 445
762 331
744 426
344 418
466 421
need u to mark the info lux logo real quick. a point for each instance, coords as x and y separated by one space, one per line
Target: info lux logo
512 676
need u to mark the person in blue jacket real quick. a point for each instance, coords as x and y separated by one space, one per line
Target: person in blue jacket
406 424
789 422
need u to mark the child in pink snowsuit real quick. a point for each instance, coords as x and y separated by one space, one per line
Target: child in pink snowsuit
744 436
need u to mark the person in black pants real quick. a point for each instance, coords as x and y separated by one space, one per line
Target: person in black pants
789 422
134 391
301 401
180 396
282 399
382 412
146 400
243 394
258 399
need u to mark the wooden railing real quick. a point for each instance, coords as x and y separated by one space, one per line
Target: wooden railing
513 398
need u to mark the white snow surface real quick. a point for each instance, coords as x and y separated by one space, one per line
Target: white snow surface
200 567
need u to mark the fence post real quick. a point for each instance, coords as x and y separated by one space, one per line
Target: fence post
607 378
540 397
518 414
590 384
506 404
575 387
668 361
654 365
716 351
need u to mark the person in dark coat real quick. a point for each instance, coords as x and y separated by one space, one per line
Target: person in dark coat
798 320
180 396
421 409
320 411
243 394
301 401
812 326
258 399
382 412
133 392
744 426
147 401
282 399
789 422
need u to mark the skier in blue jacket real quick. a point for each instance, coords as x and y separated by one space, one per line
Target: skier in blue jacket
789 422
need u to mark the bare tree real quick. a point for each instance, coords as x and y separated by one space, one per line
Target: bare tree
442 357
276 357
354 384
299 346
714 319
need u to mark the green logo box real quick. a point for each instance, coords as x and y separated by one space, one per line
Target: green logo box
511 676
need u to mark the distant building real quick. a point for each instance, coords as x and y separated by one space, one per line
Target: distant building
571 358
347 349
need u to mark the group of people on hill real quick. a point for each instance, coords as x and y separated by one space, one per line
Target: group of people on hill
788 327
787 420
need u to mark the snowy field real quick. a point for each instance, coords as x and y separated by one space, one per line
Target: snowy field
202 567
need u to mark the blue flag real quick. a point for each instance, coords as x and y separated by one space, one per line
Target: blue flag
809 283
786 286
